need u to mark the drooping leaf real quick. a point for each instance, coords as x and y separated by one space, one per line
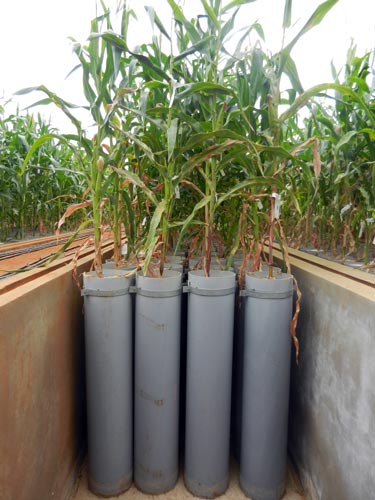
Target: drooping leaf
260 181
70 210
290 69
194 48
155 18
206 88
305 97
135 179
315 19
345 139
60 103
35 146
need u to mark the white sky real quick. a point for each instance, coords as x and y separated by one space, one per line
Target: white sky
34 45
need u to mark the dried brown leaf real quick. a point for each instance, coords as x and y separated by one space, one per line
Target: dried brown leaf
316 159
69 211
82 247
294 322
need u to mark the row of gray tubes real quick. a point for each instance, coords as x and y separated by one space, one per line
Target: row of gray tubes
159 364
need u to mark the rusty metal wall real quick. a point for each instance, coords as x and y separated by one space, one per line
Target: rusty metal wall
42 404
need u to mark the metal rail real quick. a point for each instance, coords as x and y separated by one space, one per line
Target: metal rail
334 267
7 254
35 263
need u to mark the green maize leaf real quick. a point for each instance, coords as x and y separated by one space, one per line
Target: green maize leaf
200 138
259 29
110 72
327 123
36 145
105 14
135 179
235 3
145 61
66 245
188 221
211 14
23 141
26 90
72 71
125 18
151 237
194 222
129 213
366 196
290 69
206 155
260 181
177 12
149 251
315 19
87 89
342 176
369 131
113 38
109 181
6 196
228 26
304 98
155 18
195 48
94 50
360 83
117 61
345 139
65 170
148 152
274 151
156 84
207 180
172 135
207 88
180 18
334 73
287 20
60 103
44 89
86 143
158 123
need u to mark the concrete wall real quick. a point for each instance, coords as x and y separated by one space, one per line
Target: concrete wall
332 412
42 406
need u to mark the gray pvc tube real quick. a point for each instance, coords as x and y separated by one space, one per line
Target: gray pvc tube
238 361
266 375
209 374
157 377
129 270
109 382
